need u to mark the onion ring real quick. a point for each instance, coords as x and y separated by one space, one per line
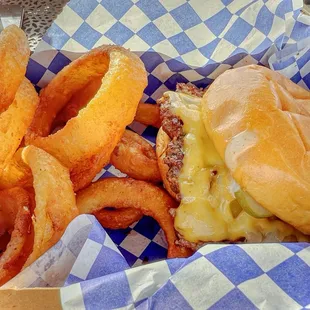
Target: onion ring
78 101
148 114
19 247
16 173
17 204
118 218
14 56
132 156
55 200
98 127
11 200
136 158
15 121
129 193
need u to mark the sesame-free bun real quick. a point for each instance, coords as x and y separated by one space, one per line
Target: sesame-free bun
259 122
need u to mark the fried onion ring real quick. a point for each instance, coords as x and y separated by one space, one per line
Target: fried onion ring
55 200
15 206
78 101
14 56
118 218
11 200
135 157
148 114
129 193
16 173
98 127
15 121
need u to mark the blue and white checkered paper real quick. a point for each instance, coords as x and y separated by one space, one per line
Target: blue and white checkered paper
94 275
178 41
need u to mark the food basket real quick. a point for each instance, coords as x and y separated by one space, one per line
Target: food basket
179 42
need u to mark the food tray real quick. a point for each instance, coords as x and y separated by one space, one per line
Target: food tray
197 48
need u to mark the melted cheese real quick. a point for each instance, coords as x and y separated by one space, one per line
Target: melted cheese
207 188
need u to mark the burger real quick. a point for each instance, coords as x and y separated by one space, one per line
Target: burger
237 158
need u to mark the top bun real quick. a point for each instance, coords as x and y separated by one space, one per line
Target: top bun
259 122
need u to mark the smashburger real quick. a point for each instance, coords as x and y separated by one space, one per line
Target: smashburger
237 158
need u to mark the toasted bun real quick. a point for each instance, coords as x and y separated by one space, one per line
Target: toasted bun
162 141
259 122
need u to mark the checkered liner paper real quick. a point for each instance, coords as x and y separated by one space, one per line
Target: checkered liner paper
178 41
